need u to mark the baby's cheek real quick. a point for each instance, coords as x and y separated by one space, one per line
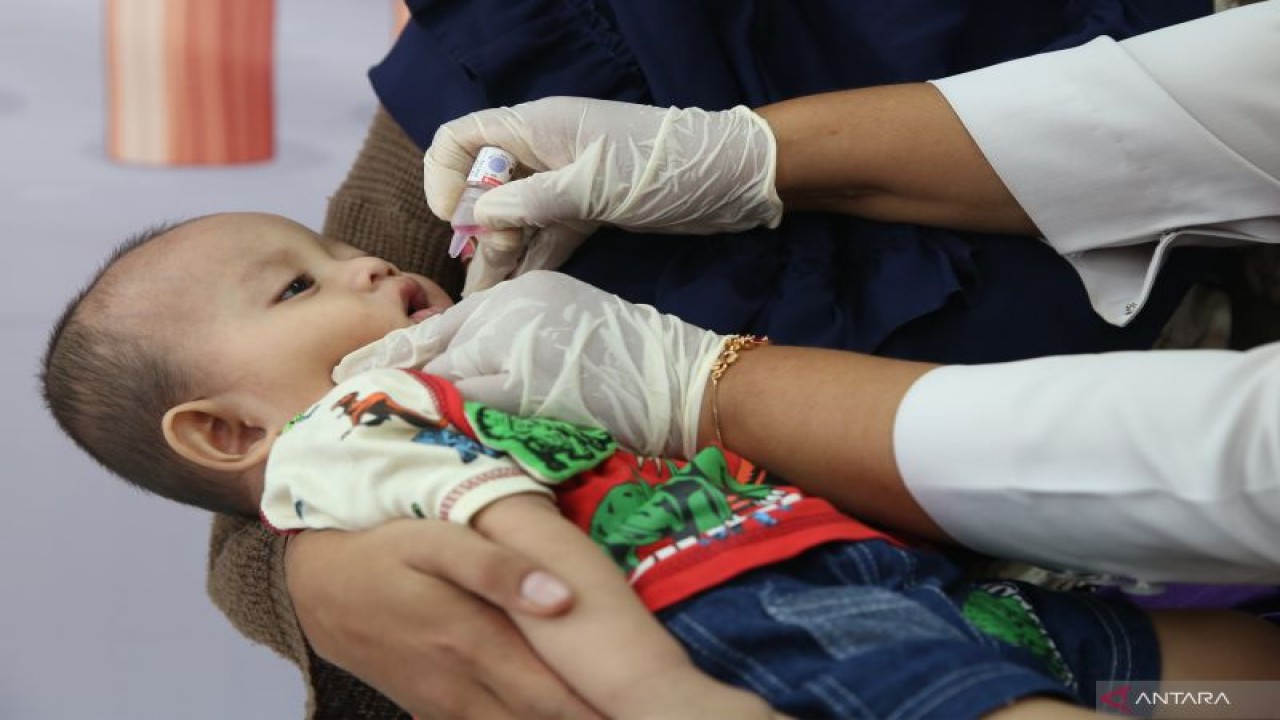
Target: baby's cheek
376 328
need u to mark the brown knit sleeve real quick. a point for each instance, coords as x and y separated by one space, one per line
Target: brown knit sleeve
379 208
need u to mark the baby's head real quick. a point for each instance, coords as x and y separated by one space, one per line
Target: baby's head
182 359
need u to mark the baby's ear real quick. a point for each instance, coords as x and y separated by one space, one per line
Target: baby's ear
213 434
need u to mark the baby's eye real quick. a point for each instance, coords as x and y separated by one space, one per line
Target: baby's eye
296 286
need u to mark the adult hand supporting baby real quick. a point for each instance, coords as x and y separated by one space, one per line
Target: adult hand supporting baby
356 593
547 344
603 162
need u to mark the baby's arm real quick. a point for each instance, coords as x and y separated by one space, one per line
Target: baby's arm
386 444
608 646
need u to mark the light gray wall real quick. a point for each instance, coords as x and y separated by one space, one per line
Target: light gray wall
102 607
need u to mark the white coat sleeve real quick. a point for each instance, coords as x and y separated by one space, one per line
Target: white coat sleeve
378 447
1154 465
1113 148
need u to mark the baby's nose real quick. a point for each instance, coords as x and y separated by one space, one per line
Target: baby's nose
371 270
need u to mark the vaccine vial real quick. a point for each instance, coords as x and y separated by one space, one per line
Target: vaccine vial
492 168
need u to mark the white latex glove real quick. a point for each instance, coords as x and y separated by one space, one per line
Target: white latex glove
638 167
547 344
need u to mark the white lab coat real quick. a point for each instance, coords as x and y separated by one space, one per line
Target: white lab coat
1119 150
1158 465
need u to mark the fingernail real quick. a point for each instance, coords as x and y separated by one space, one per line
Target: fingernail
543 589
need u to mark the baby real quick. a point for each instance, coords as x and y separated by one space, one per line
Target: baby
198 366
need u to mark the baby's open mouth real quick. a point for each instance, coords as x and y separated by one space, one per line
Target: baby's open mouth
416 304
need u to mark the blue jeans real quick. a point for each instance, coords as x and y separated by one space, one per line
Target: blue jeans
872 630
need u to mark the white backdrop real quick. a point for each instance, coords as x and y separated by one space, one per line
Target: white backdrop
103 614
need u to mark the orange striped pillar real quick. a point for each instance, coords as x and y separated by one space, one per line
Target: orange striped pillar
190 81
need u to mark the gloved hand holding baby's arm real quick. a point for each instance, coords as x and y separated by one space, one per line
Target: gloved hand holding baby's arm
547 344
637 167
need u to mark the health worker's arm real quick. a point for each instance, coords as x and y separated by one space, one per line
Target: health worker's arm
1105 144
1102 146
1157 465
1161 465
896 153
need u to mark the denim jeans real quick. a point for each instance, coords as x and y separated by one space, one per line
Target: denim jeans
872 630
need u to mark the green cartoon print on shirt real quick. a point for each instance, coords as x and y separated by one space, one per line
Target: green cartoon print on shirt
698 499
1000 610
552 449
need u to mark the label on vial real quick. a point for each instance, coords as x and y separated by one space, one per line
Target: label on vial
492 167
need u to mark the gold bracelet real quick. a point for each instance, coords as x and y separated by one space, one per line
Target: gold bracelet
733 348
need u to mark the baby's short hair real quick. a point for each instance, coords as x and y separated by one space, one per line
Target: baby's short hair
109 389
